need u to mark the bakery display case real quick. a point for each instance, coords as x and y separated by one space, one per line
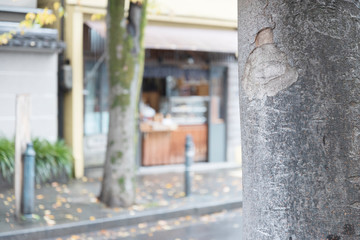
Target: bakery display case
189 110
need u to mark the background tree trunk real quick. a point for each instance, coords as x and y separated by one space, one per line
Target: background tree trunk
125 70
300 114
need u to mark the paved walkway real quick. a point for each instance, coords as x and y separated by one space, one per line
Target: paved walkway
59 205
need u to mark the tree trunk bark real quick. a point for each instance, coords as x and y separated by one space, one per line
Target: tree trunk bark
125 70
300 115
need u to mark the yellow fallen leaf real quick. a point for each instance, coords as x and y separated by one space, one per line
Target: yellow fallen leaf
39 197
41 207
92 218
1 195
169 185
79 210
9 199
150 234
75 237
69 216
142 225
133 230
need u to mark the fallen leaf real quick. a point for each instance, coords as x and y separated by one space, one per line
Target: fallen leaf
39 197
123 234
41 207
159 191
142 225
1 195
79 210
162 222
168 186
69 216
226 189
198 177
92 218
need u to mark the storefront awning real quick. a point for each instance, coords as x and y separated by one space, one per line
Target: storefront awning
183 38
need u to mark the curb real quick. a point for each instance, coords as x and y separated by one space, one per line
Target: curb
196 209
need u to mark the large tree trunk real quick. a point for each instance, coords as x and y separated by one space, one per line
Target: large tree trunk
300 111
125 70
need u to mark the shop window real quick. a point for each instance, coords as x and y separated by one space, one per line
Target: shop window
96 89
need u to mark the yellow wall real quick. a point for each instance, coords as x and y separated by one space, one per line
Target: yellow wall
73 122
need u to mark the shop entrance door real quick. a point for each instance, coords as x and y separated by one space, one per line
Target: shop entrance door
217 114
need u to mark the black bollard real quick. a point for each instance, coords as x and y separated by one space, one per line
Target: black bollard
189 155
28 191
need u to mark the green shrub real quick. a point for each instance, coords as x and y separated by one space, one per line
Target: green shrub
7 151
52 160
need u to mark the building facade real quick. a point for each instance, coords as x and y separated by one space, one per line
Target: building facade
29 65
190 74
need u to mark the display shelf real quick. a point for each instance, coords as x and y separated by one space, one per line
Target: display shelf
189 110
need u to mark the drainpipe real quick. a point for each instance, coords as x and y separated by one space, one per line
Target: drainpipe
61 90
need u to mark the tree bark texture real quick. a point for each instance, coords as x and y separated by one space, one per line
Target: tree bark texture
125 70
299 63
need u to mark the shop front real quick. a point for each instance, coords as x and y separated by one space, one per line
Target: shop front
187 95
184 92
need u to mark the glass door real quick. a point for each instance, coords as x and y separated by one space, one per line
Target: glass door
217 114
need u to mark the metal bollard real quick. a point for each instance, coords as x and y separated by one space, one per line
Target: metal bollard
28 191
189 155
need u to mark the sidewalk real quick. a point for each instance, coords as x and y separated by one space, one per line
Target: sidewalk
74 208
